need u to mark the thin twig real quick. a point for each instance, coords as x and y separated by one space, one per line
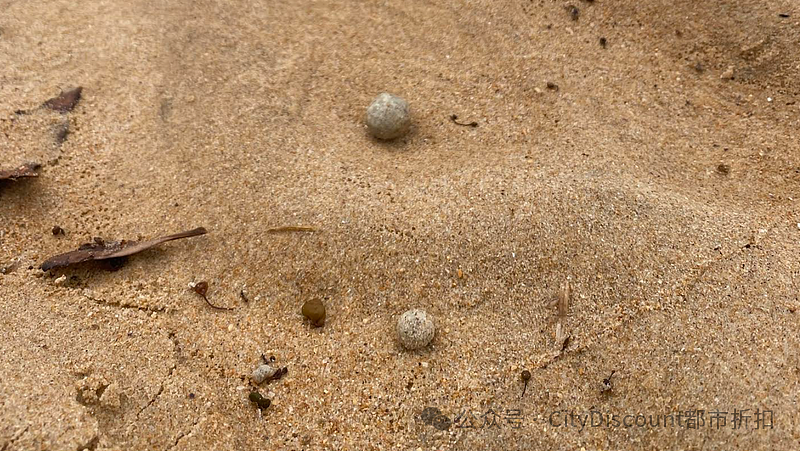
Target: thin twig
291 229
454 118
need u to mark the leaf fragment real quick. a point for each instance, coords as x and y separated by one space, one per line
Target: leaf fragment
103 250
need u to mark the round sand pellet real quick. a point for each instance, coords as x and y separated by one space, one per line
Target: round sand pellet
314 310
388 117
415 329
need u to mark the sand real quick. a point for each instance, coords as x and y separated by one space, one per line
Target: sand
658 176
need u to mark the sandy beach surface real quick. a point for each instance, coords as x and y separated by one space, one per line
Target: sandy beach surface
643 152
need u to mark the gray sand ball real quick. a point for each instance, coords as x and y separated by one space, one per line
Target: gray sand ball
415 329
388 117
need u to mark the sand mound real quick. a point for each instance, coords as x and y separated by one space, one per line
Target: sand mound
656 174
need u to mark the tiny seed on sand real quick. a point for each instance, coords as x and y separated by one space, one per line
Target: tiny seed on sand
201 288
314 310
526 376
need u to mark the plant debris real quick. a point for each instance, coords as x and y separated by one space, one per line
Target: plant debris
454 118
526 376
102 250
561 302
562 338
256 398
65 101
61 131
24 170
201 288
291 229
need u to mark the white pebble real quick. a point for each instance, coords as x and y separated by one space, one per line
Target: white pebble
263 372
388 117
415 329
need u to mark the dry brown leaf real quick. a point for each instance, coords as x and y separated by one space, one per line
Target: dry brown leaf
101 250
25 170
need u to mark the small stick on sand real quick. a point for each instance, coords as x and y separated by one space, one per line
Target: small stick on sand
291 229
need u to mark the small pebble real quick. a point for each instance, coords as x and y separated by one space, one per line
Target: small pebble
314 310
415 329
263 372
388 117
